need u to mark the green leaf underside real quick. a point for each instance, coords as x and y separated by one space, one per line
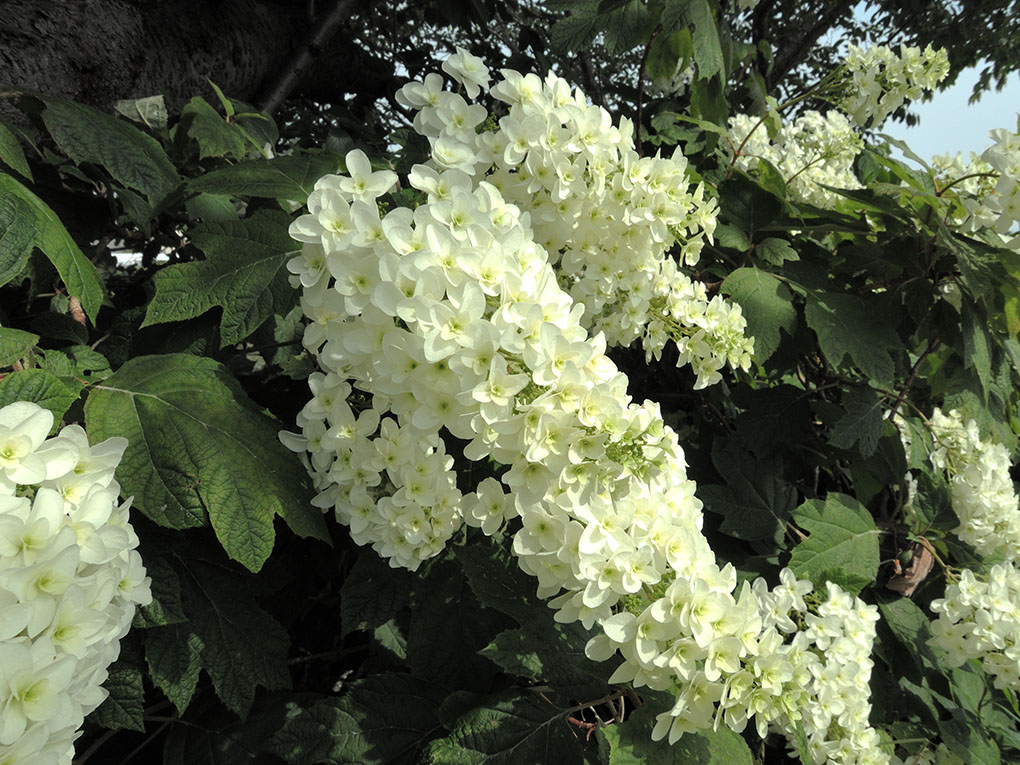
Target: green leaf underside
244 273
842 546
199 449
78 273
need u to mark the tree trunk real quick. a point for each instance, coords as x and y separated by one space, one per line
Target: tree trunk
99 51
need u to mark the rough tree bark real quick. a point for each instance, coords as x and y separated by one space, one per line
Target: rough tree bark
99 51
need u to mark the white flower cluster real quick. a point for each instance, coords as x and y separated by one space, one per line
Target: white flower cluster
764 655
811 150
983 496
70 579
606 217
449 318
979 618
879 80
996 201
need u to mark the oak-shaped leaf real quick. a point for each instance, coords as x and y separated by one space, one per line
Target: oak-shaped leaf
200 451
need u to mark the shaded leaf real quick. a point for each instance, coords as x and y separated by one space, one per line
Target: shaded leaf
507 729
244 273
129 155
198 446
849 325
18 232
862 422
381 719
78 273
11 153
123 708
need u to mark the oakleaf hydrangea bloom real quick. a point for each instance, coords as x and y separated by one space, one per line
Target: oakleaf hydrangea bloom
70 579
879 81
979 618
982 491
605 216
995 200
459 317
809 152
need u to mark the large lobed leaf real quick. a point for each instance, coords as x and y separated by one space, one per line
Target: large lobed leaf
244 274
200 450
767 305
842 546
849 325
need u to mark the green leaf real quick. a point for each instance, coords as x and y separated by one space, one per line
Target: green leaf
372 593
11 153
78 362
386 718
18 232
849 325
448 628
129 155
291 177
150 111
842 546
666 56
967 739
215 136
172 656
631 744
747 204
198 446
554 657
912 628
577 31
239 645
767 305
41 387
628 27
79 275
775 251
507 729
862 424
166 607
977 345
244 273
122 709
756 502
933 504
697 14
15 344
